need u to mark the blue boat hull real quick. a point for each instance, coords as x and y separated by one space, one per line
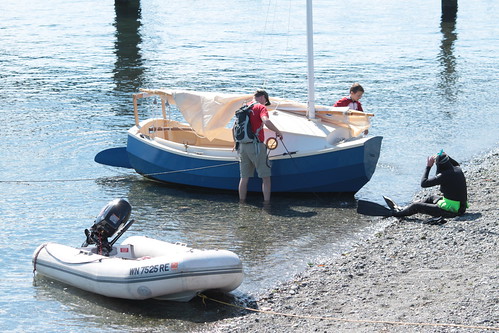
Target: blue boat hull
341 170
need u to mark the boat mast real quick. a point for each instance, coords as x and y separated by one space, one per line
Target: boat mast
310 64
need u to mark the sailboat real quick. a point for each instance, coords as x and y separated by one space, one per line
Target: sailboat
325 149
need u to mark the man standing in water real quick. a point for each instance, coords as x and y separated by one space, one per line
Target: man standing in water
254 155
452 183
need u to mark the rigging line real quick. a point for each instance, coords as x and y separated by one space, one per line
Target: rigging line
286 51
191 169
265 37
289 154
296 166
264 31
268 35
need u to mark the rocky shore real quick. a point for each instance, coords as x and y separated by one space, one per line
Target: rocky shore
414 276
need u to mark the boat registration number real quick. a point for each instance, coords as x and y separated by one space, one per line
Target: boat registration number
150 269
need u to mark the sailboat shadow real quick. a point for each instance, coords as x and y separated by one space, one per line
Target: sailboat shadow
307 204
289 205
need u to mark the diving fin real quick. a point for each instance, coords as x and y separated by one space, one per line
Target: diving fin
439 220
391 203
372 209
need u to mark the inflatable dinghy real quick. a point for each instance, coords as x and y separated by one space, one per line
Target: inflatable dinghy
139 268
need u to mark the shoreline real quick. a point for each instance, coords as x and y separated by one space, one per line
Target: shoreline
410 277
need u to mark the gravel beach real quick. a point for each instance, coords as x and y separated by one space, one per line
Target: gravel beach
413 276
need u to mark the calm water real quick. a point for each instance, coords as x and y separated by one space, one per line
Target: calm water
68 70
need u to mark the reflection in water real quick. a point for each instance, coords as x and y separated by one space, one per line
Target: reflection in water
273 243
449 10
448 75
128 69
133 315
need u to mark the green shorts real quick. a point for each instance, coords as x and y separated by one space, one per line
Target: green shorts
253 156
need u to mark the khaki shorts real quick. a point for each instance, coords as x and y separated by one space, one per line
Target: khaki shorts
250 160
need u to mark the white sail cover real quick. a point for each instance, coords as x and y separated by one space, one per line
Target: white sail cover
207 113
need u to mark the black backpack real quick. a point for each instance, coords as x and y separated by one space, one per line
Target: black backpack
241 131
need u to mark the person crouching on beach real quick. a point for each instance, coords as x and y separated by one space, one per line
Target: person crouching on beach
454 198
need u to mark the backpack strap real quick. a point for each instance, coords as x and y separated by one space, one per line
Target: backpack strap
257 139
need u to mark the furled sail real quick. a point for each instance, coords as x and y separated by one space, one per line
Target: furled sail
209 113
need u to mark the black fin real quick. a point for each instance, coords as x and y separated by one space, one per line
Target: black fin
439 220
372 209
391 204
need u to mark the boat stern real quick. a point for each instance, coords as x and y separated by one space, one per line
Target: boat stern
372 149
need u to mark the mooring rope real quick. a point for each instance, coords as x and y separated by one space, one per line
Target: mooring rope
64 180
35 258
116 178
364 321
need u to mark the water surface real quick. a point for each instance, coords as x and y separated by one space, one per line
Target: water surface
68 70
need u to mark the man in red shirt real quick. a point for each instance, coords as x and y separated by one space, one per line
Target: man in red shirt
254 155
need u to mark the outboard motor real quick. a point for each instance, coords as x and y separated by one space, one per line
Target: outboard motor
112 220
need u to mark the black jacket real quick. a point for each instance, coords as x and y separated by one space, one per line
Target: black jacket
452 182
